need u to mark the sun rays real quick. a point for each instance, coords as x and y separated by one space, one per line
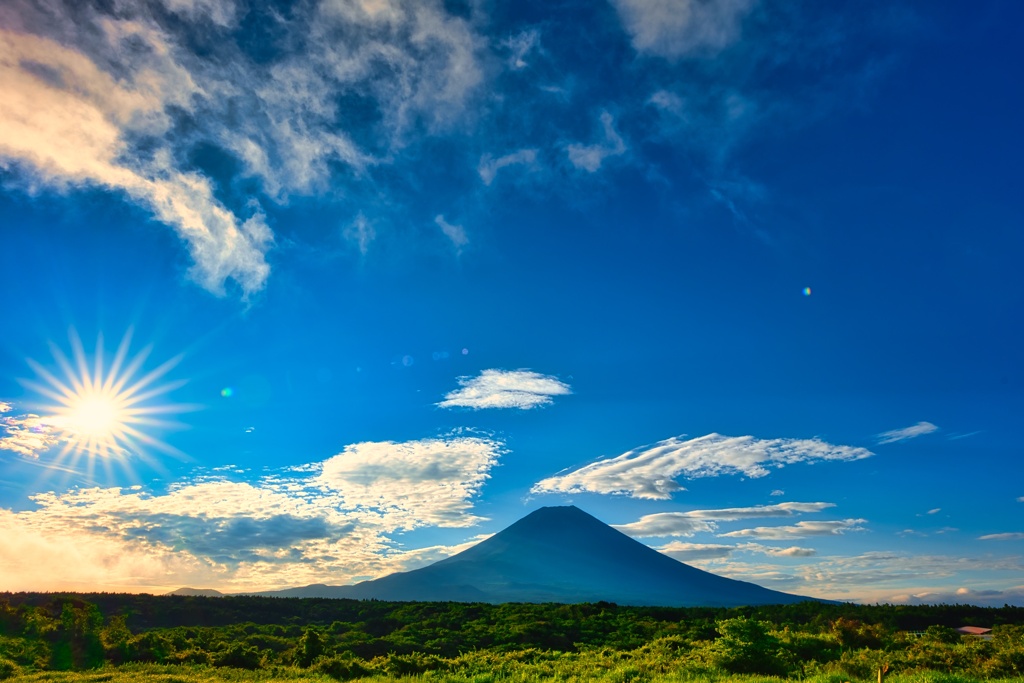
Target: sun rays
102 412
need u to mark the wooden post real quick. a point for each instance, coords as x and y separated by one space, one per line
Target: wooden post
882 670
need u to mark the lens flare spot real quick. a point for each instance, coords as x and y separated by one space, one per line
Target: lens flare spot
807 291
227 392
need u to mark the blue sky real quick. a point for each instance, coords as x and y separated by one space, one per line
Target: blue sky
739 277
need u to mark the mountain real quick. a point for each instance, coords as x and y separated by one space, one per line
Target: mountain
207 592
557 554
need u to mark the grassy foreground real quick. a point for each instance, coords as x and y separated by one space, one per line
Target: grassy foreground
160 673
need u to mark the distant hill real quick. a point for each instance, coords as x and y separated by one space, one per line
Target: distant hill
206 592
557 554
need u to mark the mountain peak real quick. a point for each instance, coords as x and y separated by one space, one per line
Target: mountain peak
559 554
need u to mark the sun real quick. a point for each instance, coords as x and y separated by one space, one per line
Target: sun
106 411
94 415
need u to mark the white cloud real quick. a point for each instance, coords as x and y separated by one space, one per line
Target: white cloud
361 233
322 522
68 122
489 166
101 100
27 434
421 557
775 510
667 524
799 530
523 389
875 576
777 492
651 471
456 233
682 28
227 534
696 551
519 46
706 551
669 102
6 407
1014 536
220 12
688 523
1020 499
590 157
791 551
415 483
920 429
934 511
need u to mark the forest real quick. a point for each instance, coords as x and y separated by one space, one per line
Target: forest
121 637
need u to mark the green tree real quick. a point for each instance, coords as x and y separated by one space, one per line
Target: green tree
115 639
746 646
312 645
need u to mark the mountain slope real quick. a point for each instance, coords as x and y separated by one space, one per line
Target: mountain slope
557 554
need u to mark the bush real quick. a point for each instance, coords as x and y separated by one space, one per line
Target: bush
343 667
191 656
240 657
411 664
8 669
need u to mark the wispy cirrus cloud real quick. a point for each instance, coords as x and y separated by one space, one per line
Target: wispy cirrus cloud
685 28
590 157
801 529
706 551
913 431
522 389
519 46
68 122
361 233
1011 536
652 471
122 100
455 233
489 166
693 521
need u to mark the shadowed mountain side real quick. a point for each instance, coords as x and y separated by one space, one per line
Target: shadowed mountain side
557 554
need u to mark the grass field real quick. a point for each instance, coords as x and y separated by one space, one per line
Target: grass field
156 673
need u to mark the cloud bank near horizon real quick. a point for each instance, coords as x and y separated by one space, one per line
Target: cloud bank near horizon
332 518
